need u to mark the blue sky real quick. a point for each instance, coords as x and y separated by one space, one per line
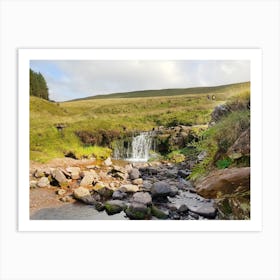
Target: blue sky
70 79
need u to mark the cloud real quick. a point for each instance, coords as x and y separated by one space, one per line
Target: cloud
75 79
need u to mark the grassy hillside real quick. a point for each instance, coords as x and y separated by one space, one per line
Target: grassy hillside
111 117
172 92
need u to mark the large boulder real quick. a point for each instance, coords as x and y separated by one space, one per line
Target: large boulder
142 197
161 190
60 178
114 206
138 211
226 181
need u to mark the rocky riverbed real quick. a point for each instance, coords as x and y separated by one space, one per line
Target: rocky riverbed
77 189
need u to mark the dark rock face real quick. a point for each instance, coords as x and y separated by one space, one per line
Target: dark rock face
161 190
138 211
114 206
134 174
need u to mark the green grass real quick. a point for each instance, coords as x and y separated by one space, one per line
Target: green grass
114 116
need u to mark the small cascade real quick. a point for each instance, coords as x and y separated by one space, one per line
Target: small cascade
135 149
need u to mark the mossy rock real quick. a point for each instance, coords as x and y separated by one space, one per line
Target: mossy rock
113 207
156 212
138 211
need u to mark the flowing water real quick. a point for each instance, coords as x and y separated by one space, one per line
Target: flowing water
136 149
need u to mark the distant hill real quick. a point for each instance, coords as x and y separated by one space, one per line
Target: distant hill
171 92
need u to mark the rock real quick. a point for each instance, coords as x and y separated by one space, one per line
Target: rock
206 211
138 211
241 147
129 188
142 197
99 185
66 198
219 112
114 206
134 174
74 171
138 181
120 175
105 192
88 178
161 189
60 178
108 161
202 156
119 195
99 206
33 184
183 208
43 182
81 192
226 181
61 192
118 169
158 213
39 173
193 215
184 173
171 173
147 186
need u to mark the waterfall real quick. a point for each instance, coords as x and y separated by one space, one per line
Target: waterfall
136 149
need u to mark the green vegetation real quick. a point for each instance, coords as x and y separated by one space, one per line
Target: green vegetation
86 128
38 85
229 89
218 139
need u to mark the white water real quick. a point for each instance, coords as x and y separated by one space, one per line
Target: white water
141 145
138 150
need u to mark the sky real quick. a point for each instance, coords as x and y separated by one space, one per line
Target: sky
71 79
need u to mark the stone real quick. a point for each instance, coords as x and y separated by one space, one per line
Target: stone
184 173
61 192
206 211
66 198
99 206
134 174
43 182
105 192
39 173
147 186
142 197
129 188
119 195
219 112
60 178
33 184
114 206
183 208
120 175
98 186
138 211
202 155
74 171
222 182
88 178
81 192
108 162
241 147
161 189
158 213
138 181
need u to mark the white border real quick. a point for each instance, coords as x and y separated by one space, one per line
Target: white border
254 55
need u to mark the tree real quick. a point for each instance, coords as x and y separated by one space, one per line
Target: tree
38 85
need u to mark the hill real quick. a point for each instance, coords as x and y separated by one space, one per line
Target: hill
171 92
